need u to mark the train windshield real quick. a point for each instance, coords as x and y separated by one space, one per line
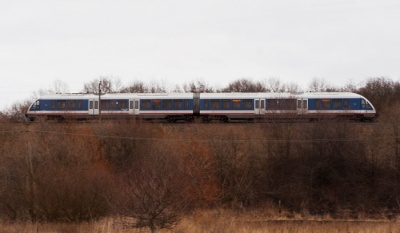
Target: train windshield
365 104
36 105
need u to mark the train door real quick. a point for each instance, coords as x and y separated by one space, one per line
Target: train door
134 106
136 103
259 106
302 106
131 106
93 107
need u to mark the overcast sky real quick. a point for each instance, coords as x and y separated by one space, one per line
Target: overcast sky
178 41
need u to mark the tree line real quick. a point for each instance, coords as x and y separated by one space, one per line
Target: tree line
382 92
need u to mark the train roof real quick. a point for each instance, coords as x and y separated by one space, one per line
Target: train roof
249 95
246 95
117 96
68 96
330 95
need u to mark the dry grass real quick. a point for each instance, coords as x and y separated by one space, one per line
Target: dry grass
222 221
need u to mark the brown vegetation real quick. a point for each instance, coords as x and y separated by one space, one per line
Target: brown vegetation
157 173
154 175
219 221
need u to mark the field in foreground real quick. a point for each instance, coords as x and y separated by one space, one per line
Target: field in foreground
220 221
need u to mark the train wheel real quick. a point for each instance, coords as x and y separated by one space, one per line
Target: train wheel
224 119
171 119
189 118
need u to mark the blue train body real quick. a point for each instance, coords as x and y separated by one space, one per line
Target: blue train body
206 106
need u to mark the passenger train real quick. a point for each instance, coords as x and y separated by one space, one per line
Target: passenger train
207 107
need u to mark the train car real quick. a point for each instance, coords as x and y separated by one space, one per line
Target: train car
58 107
173 107
169 106
314 106
335 105
244 106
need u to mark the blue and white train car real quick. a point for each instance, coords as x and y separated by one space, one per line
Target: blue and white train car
62 105
175 106
227 106
80 106
245 106
248 106
335 104
169 106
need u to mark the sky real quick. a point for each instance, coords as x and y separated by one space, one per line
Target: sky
178 41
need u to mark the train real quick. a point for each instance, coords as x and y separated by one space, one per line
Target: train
207 107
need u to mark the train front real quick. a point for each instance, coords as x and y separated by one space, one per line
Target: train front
368 110
32 111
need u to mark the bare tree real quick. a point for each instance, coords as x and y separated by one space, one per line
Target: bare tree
293 88
244 85
318 85
108 85
136 87
198 86
177 89
60 87
274 85
350 86
17 111
157 87
152 194
57 87
382 92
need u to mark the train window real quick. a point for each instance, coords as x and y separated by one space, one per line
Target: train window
273 104
96 104
206 105
326 104
136 104
123 104
105 105
322 104
114 104
167 104
36 105
71 104
61 104
178 104
236 104
365 104
131 104
156 104
118 104
215 104
337 104
257 104
145 104
248 104
346 104
317 104
53 104
186 104
226 104
305 104
290 104
91 104
79 104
